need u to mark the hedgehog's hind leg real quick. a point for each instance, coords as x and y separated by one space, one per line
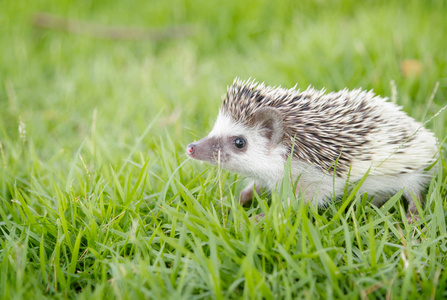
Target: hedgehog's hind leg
246 194
412 212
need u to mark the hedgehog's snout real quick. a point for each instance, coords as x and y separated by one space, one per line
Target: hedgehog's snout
207 149
199 149
190 149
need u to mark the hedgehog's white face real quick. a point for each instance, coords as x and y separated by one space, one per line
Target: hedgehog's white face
254 150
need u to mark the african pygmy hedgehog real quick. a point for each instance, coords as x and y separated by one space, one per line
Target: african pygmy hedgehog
331 135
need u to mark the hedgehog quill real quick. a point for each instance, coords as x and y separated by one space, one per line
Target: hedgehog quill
330 135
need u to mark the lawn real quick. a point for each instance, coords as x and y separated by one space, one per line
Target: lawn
98 199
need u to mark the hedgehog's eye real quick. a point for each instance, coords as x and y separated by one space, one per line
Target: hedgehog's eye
239 143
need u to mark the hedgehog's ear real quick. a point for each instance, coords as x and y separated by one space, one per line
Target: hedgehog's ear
269 122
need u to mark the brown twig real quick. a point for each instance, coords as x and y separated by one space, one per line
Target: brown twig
48 21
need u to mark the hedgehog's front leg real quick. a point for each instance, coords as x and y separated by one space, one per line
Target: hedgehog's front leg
246 194
412 213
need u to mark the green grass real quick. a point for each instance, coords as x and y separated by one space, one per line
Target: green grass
97 198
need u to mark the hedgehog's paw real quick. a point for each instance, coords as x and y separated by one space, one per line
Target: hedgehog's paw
412 218
413 214
257 218
246 194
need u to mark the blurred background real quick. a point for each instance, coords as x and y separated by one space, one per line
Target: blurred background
100 72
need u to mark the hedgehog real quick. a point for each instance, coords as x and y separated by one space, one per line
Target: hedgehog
330 137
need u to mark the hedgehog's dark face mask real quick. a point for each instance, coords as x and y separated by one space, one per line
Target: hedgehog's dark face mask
248 149
214 149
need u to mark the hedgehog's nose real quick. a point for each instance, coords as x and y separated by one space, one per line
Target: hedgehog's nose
190 149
